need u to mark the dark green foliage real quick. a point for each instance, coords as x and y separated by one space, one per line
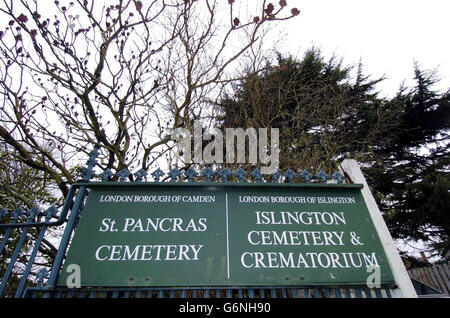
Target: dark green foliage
22 186
411 175
325 114
321 111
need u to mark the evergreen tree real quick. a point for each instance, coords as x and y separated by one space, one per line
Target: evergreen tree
325 114
411 176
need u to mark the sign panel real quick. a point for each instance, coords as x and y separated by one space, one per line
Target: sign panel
222 234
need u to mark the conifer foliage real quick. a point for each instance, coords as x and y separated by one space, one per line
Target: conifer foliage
326 114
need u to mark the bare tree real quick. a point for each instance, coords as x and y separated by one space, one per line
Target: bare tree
121 76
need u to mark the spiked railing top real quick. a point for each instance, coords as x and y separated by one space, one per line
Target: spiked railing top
224 175
50 212
3 213
174 174
41 274
191 175
323 176
240 174
106 175
307 176
340 178
157 174
275 177
290 175
257 175
140 174
88 172
17 213
33 214
208 173
123 174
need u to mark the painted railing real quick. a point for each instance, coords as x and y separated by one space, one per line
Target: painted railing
29 280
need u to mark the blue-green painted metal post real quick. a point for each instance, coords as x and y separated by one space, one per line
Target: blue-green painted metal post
14 257
7 233
49 213
87 175
5 239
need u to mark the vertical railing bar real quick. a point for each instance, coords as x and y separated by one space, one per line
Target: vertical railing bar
13 259
378 293
66 237
283 293
92 294
306 293
27 270
161 294
261 293
338 292
347 293
75 212
115 294
368 292
194 293
138 294
316 292
358 293
294 293
31 258
240 296
388 293
183 293
6 237
251 293
46 294
273 293
172 293
229 293
327 292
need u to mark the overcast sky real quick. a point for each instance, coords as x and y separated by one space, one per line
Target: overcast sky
388 35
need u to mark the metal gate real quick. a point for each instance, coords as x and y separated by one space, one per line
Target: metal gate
24 277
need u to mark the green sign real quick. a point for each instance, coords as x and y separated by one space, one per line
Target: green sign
223 234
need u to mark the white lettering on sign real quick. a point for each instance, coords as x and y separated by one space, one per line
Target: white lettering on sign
308 260
295 199
306 218
299 230
148 253
295 238
274 259
112 198
155 224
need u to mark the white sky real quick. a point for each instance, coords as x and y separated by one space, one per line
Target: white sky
388 35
